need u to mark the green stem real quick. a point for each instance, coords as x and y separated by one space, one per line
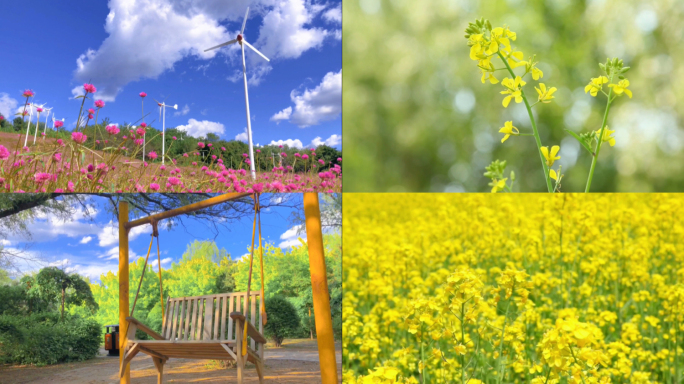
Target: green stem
534 128
463 342
503 331
599 140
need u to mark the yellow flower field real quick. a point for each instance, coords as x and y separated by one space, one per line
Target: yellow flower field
523 288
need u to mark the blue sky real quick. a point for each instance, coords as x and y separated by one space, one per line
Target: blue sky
88 245
156 46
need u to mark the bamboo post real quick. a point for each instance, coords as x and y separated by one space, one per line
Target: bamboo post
319 285
123 286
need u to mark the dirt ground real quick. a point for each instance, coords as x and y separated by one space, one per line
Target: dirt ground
295 362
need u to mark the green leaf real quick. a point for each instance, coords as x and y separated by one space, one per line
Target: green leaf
579 139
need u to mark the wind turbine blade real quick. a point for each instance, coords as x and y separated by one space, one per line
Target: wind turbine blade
244 23
221 45
255 50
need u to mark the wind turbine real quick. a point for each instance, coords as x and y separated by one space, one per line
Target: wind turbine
240 39
31 105
35 134
162 106
46 121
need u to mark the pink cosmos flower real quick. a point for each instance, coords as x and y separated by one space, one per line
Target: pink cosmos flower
59 190
174 137
144 125
213 157
258 151
70 186
223 148
59 124
2 117
42 133
185 155
194 163
90 110
140 131
283 154
112 129
321 161
91 116
154 186
28 93
143 94
97 141
79 137
99 103
163 167
339 159
200 144
89 88
152 155
60 142
280 146
298 155
209 145
39 109
174 181
4 152
27 149
245 155
138 142
305 157
57 156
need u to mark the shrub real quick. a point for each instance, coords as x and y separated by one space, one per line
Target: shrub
283 320
42 339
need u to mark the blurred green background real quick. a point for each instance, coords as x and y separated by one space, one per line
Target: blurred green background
417 118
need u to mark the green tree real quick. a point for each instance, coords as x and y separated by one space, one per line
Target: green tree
53 284
283 320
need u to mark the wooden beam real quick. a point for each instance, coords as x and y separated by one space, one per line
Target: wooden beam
187 209
152 353
125 376
145 328
251 330
230 351
319 287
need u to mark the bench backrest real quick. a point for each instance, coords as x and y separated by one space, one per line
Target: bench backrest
208 317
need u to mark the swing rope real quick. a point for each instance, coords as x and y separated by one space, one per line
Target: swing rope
155 233
257 217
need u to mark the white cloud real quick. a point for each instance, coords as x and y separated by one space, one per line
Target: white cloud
5 242
85 240
183 112
296 143
282 115
7 105
317 105
196 128
109 235
291 238
147 37
330 141
333 15
242 136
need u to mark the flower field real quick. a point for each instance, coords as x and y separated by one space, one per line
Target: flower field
112 158
513 289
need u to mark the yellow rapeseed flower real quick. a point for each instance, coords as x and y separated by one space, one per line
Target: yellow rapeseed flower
513 90
552 174
499 185
606 136
537 73
508 129
550 157
595 85
621 87
545 95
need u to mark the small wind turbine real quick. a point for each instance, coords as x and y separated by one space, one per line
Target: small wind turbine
163 106
240 39
46 121
35 134
31 105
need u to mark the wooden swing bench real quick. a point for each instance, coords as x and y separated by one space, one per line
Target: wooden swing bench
202 327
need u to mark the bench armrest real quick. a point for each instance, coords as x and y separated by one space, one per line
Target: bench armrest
251 331
145 328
